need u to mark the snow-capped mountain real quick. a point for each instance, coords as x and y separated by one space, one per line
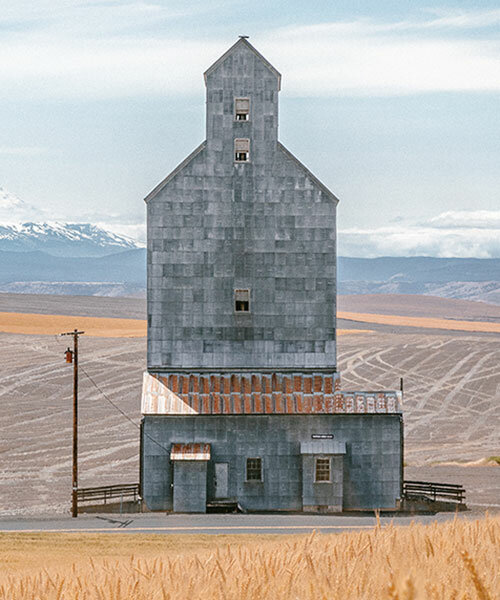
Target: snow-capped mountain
26 228
62 239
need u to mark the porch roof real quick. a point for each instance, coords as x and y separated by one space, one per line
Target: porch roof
190 451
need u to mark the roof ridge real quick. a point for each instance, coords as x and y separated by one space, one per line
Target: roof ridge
244 41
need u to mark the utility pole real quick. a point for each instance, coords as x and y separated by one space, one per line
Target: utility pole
72 356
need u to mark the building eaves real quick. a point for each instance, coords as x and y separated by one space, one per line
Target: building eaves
178 168
322 186
246 43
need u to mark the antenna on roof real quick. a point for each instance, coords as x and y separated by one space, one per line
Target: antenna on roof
243 37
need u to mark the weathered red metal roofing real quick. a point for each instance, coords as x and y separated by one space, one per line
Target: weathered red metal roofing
254 393
191 451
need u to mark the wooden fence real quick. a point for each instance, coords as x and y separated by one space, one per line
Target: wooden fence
415 490
130 491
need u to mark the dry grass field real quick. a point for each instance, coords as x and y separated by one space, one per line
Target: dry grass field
457 560
420 306
420 322
451 381
35 324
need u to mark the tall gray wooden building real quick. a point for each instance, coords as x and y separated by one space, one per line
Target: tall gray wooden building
242 399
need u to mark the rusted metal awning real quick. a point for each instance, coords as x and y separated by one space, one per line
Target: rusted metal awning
191 451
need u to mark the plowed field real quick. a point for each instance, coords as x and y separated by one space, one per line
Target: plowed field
451 403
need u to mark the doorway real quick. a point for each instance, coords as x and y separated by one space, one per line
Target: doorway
221 480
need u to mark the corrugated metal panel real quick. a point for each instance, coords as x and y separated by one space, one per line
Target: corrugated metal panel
222 394
191 451
322 447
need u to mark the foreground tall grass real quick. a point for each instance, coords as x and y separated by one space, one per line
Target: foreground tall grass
458 560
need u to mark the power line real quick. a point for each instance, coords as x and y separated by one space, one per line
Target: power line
124 414
115 406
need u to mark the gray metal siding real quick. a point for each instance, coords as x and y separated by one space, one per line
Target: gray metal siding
371 465
266 225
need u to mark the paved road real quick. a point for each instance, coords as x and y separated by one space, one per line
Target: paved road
210 524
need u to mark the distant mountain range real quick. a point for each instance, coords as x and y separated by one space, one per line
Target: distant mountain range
465 278
62 239
79 258
37 268
414 269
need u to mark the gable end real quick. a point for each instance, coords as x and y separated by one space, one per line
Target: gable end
177 169
322 186
256 52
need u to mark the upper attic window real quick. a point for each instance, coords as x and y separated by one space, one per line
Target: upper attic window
242 109
241 150
242 300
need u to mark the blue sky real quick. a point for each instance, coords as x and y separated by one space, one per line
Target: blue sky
394 105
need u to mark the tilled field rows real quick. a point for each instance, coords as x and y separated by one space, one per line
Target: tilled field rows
36 418
452 389
452 400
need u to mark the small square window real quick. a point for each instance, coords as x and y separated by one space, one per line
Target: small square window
242 300
322 470
242 109
254 469
241 150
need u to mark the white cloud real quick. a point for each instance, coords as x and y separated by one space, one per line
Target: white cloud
362 58
474 233
465 19
136 232
105 68
13 210
454 234
94 17
474 219
106 50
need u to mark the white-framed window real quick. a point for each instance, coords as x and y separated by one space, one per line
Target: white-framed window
242 109
254 469
242 301
241 150
322 470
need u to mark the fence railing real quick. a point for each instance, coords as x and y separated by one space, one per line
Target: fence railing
108 492
434 491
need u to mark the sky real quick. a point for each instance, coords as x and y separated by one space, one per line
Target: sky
394 105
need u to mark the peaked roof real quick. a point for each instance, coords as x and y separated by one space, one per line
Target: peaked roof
178 168
243 41
309 174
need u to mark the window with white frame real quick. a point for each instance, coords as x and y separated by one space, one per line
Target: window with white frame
242 300
241 150
254 469
322 471
242 109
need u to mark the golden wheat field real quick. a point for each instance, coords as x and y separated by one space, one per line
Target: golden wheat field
457 560
37 324
421 322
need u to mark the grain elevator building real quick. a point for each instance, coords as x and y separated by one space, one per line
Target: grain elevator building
241 398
